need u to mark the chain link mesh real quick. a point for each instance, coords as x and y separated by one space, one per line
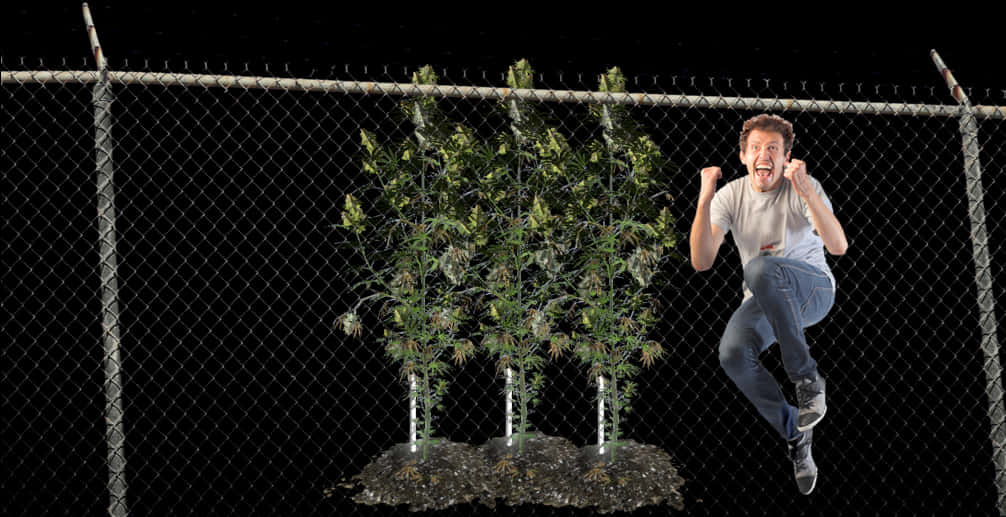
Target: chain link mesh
241 396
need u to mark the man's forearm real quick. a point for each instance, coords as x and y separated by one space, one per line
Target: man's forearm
827 226
701 238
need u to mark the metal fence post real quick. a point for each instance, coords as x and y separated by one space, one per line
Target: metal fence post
983 278
115 435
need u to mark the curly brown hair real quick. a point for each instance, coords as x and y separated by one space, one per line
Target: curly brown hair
766 122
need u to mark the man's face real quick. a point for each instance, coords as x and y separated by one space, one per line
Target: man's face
765 159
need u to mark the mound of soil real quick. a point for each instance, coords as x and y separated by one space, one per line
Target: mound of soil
640 475
453 473
533 476
550 471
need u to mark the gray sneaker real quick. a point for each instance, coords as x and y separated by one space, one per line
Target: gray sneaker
804 468
810 399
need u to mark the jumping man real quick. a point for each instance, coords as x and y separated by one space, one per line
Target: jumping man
782 221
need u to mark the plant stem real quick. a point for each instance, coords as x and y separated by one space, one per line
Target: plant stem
427 415
522 397
613 390
427 412
613 381
523 409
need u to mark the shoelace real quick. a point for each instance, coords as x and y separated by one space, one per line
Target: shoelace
806 390
797 451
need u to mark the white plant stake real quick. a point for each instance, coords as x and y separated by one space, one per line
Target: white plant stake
600 414
412 411
509 407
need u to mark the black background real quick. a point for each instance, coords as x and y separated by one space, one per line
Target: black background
737 42
242 400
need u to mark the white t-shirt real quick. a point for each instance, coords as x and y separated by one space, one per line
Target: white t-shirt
775 223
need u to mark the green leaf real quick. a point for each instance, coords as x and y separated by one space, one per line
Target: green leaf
369 141
612 81
425 75
541 217
520 75
353 216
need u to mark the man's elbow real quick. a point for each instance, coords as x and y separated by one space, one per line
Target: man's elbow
838 249
698 265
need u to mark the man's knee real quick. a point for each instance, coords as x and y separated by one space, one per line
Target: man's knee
733 357
761 272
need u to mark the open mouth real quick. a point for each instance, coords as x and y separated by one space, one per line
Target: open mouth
763 171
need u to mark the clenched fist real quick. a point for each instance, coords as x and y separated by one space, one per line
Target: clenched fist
709 177
796 173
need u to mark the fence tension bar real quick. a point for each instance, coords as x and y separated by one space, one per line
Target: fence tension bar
983 278
108 270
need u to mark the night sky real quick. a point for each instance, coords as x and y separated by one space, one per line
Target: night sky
742 43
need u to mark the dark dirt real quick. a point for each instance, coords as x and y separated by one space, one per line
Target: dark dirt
640 475
454 473
534 476
551 471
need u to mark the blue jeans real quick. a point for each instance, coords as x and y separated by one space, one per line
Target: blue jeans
789 295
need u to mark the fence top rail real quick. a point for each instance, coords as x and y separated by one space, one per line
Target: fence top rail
486 92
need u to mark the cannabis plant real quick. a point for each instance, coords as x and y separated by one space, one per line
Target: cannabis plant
526 249
417 248
624 236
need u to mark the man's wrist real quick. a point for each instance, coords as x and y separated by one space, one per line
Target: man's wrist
811 197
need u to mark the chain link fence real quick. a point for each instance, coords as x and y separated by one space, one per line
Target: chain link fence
241 395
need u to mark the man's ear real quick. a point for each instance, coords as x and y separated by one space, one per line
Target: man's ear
741 155
789 154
